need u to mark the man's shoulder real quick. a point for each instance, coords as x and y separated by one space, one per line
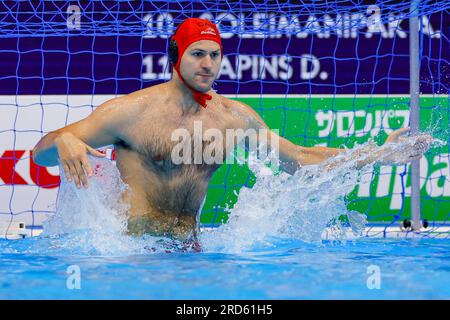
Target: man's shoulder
238 106
135 103
147 97
234 104
243 111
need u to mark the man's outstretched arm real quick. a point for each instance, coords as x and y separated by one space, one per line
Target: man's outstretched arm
292 156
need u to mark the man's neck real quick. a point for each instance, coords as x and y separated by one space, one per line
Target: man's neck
182 96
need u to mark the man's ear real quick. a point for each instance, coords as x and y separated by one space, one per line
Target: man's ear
173 52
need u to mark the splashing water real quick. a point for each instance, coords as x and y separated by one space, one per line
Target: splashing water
304 205
93 221
92 218
300 206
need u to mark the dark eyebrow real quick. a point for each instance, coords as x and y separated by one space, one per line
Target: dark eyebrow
204 51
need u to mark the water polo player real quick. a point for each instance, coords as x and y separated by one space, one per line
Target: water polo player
166 195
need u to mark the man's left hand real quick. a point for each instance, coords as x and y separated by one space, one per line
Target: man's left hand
411 148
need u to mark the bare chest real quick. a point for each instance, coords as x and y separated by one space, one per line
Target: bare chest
169 144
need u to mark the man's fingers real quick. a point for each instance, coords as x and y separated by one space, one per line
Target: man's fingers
74 173
87 166
78 167
95 152
429 139
81 175
422 146
67 171
77 172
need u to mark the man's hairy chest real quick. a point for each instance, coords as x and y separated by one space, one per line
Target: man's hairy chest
168 143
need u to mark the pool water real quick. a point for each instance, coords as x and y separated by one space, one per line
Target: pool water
270 248
287 269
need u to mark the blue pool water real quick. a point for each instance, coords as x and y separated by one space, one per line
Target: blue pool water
270 248
287 269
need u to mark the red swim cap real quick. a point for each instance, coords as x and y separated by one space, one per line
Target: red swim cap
188 32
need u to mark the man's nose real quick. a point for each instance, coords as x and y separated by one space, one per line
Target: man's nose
206 62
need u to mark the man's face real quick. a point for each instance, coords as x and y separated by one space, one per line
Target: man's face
200 64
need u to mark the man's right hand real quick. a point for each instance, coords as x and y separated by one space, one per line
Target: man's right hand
72 153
